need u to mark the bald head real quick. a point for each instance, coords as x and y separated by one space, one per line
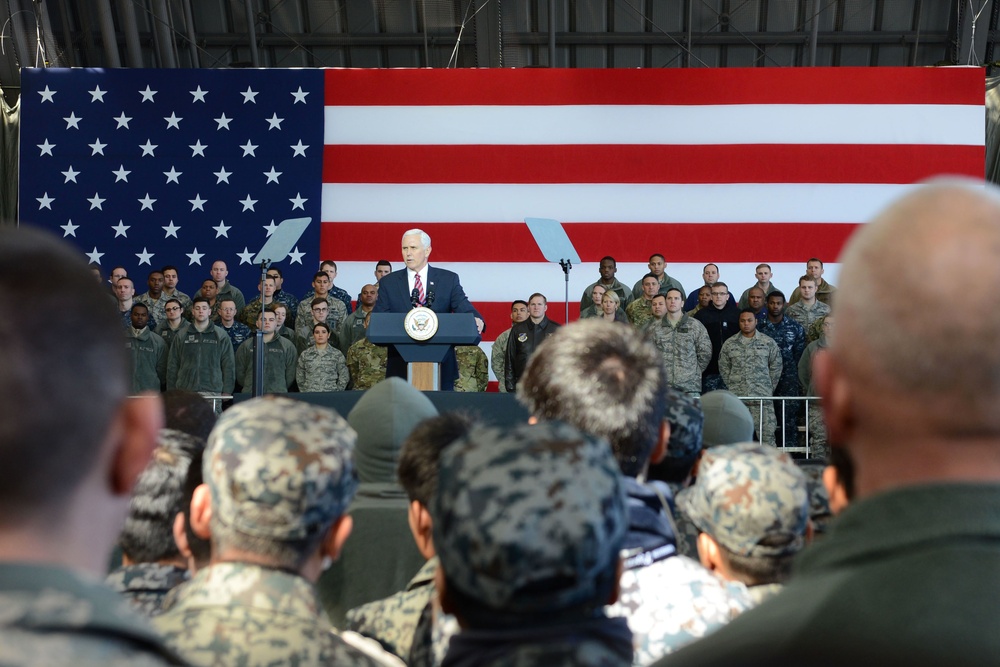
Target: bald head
938 373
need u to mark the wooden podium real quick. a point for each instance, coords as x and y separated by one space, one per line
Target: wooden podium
423 358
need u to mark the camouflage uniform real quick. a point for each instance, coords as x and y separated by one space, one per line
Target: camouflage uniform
53 616
147 360
666 283
791 341
278 470
528 522
818 447
238 333
334 318
322 370
639 312
394 620
752 367
155 306
145 585
180 296
824 294
337 293
753 500
279 365
249 314
498 359
686 350
473 368
366 363
806 316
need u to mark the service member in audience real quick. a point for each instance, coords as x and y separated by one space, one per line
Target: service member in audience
906 574
498 354
201 356
527 524
152 565
824 290
473 368
170 279
147 353
751 504
721 320
224 288
683 343
279 476
154 297
173 310
525 337
594 309
608 381
750 365
366 362
321 366
238 332
607 268
808 308
764 284
658 267
353 327
280 358
71 448
640 311
791 340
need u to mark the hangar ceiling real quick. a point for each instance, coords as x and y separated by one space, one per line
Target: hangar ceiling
492 33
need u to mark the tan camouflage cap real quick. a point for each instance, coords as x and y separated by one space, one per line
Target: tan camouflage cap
280 468
528 518
751 498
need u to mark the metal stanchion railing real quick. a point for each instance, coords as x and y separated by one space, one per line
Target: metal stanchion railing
783 445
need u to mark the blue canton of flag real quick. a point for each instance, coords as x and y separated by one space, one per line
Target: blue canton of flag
145 168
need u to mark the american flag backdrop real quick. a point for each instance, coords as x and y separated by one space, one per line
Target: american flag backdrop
729 166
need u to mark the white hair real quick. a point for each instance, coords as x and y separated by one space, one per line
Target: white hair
425 239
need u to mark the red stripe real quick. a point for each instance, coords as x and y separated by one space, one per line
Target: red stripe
649 164
626 242
764 85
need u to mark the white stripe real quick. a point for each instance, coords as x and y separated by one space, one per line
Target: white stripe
644 124
604 202
504 282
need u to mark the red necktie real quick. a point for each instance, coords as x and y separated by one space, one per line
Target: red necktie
420 287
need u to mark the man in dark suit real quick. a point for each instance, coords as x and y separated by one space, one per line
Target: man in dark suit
438 289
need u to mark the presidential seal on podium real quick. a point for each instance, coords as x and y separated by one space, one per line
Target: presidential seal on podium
421 323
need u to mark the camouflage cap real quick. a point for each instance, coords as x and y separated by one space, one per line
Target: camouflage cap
686 421
751 498
727 419
527 519
280 468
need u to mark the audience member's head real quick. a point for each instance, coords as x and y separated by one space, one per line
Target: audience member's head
71 445
279 475
157 498
686 421
727 419
418 469
528 523
188 412
196 550
382 418
898 385
606 380
751 504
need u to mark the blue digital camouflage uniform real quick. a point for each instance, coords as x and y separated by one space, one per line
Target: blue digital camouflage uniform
53 616
753 500
278 470
752 367
528 522
238 333
791 340
473 368
145 585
